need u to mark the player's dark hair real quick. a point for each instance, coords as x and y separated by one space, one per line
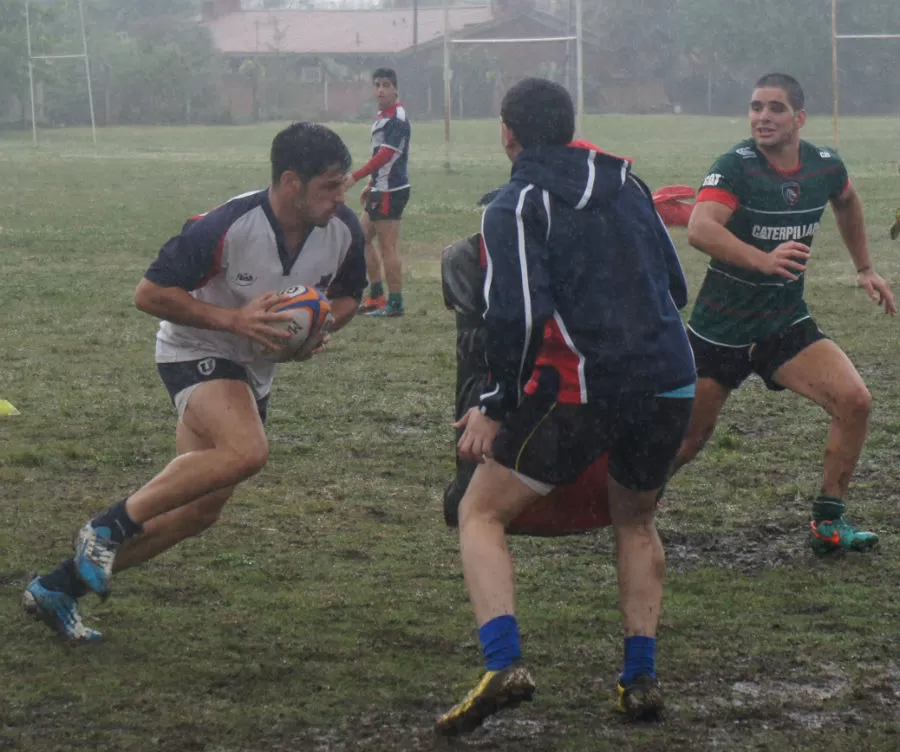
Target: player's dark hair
309 150
389 73
788 84
539 113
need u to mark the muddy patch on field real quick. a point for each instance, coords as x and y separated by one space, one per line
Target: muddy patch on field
764 547
413 731
830 700
779 693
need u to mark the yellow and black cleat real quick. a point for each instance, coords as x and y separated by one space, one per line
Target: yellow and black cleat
641 700
496 691
895 229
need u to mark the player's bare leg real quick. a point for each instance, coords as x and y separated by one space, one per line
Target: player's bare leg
493 499
169 529
640 556
223 413
711 397
641 569
387 231
376 298
373 258
166 530
824 374
221 426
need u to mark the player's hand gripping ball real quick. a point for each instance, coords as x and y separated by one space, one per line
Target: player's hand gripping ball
310 318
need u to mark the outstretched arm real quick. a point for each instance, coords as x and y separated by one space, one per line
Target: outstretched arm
848 213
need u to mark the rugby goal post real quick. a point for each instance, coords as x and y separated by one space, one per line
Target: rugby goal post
78 55
577 37
835 37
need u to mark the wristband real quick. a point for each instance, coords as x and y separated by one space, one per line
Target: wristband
864 269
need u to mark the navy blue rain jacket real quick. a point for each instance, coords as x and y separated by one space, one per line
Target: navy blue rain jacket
583 284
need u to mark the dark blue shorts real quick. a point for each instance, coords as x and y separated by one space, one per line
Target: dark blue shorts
386 204
554 443
180 376
730 366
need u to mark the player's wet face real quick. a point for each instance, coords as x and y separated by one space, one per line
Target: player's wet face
773 122
318 199
386 93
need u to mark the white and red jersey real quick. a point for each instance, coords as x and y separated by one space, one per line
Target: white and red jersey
390 151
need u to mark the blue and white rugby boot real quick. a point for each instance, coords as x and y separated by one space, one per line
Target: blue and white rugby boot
95 552
59 611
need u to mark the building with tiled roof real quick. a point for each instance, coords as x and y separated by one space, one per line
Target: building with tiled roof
316 64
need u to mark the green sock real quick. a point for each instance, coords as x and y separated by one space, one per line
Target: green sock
395 300
827 508
376 289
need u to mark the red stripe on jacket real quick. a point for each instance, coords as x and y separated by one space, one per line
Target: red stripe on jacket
555 353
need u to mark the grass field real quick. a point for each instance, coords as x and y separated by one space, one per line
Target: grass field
326 610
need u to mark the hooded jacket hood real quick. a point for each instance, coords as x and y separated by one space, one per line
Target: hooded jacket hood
578 175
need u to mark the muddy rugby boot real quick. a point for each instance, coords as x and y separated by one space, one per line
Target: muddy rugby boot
59 611
641 699
497 690
827 536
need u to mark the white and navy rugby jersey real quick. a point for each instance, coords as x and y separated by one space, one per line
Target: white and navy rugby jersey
391 129
234 254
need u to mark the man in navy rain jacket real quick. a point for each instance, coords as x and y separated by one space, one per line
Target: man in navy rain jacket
587 355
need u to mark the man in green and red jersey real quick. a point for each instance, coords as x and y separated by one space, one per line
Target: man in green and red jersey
756 215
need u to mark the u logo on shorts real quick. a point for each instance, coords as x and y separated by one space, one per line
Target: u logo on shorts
206 366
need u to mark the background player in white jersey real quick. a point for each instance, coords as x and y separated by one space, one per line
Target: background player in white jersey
385 196
212 286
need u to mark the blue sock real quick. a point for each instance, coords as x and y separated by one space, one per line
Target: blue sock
500 642
640 658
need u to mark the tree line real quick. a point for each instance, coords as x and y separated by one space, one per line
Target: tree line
151 62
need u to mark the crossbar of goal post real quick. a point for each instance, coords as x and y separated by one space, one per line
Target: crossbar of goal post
577 37
834 58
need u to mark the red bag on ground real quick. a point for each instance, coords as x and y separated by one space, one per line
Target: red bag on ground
580 506
671 205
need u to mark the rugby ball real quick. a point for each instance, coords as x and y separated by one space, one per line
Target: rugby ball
310 314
